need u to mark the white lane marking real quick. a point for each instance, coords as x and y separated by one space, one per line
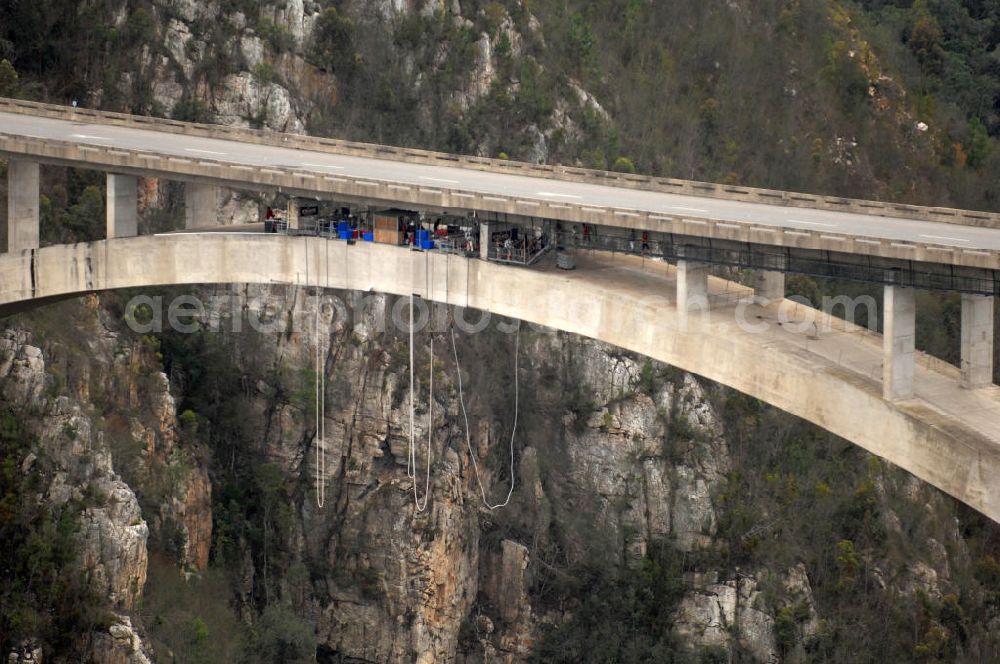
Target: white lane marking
555 195
688 209
202 151
93 138
424 177
207 232
944 237
811 223
338 168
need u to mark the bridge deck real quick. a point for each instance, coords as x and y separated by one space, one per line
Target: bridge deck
193 148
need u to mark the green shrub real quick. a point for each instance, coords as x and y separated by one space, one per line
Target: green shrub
8 79
333 46
191 110
623 165
44 596
276 36
620 615
264 73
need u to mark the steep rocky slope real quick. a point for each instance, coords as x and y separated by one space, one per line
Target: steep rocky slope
81 395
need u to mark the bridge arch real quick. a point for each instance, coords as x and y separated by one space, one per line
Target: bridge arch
618 303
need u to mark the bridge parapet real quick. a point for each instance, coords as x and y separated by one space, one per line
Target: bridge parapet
556 172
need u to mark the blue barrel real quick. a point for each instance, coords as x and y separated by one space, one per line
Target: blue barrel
344 235
368 237
343 226
423 236
427 244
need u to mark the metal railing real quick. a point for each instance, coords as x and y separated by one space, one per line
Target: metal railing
524 251
809 262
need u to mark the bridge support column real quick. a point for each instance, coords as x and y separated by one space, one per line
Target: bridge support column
977 341
201 205
769 285
898 343
692 286
123 205
484 240
22 205
292 213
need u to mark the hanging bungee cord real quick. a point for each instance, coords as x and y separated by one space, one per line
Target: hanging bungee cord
465 416
320 412
411 461
320 419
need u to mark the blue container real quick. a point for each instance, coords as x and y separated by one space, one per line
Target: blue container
423 236
368 237
427 244
343 226
344 235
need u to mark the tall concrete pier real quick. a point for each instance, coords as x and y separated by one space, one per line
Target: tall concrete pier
122 206
898 343
22 205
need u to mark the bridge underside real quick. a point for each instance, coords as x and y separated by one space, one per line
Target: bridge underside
795 358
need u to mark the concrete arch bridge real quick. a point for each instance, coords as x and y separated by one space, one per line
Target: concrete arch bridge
814 366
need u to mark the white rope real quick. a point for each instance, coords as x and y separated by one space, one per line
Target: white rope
320 424
322 382
411 462
465 416
420 507
320 403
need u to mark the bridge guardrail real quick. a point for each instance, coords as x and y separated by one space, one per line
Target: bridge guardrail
555 172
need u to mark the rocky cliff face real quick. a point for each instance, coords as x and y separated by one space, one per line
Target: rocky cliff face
100 414
425 571
614 458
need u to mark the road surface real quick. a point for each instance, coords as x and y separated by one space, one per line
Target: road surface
458 178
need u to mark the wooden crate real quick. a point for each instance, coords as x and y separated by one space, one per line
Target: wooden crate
386 229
